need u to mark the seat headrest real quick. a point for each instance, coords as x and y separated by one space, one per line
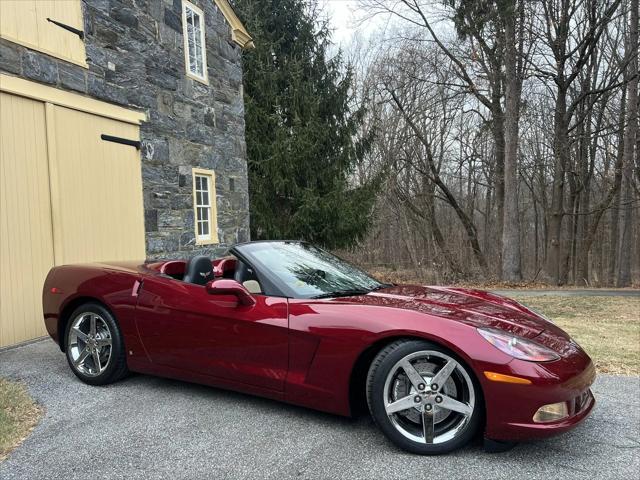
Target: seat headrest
225 268
199 270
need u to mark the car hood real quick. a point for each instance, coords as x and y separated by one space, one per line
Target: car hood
474 307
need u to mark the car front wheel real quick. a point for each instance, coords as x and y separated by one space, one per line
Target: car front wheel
423 398
94 345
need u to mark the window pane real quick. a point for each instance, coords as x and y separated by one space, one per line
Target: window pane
198 45
199 198
199 228
198 183
205 228
194 36
205 183
205 214
193 54
205 198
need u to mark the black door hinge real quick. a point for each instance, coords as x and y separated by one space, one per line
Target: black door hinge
123 141
68 28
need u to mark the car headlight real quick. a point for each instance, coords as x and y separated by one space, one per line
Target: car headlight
518 347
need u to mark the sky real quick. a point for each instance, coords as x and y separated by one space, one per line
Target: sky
347 19
342 15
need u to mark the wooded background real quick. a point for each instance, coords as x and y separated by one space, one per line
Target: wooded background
503 133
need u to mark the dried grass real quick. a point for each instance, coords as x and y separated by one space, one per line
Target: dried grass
19 414
608 328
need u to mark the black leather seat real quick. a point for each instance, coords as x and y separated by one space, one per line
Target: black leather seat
243 272
198 270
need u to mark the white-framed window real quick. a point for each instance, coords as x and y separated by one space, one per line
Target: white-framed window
195 51
204 206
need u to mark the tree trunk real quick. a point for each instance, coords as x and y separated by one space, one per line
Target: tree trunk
497 130
511 264
609 277
589 151
601 208
626 246
583 247
561 154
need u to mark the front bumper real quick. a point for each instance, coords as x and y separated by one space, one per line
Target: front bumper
510 408
532 430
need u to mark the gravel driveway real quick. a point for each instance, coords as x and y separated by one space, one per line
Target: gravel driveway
146 427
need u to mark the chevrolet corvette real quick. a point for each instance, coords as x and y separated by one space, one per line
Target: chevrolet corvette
436 366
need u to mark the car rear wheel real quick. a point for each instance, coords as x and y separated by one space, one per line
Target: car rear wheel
94 345
423 398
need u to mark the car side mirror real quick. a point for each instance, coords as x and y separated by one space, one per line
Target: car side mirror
225 286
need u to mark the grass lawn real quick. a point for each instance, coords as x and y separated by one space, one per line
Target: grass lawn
18 415
608 328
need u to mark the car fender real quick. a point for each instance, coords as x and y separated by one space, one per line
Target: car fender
328 338
68 286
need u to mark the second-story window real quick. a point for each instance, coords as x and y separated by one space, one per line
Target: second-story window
194 45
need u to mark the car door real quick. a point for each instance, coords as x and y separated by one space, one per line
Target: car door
184 327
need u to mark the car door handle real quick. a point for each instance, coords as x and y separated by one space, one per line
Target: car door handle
136 288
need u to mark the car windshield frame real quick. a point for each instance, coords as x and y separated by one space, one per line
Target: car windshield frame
309 282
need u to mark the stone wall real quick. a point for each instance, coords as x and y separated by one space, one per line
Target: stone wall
136 59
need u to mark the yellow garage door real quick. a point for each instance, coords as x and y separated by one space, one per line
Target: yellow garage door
96 189
26 242
66 194
38 24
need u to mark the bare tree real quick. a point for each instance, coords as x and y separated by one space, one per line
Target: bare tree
509 133
478 70
512 14
624 270
569 31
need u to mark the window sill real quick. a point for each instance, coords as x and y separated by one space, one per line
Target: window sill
204 81
213 241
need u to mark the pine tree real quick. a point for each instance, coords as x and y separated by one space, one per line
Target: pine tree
301 127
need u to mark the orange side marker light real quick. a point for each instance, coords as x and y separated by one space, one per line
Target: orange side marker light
499 377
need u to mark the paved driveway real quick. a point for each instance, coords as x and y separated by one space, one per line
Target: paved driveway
145 427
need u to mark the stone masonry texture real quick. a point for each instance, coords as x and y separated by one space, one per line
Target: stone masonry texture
135 53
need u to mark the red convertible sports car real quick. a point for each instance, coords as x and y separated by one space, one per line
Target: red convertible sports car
289 321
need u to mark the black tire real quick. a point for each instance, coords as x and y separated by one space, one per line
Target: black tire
116 368
381 367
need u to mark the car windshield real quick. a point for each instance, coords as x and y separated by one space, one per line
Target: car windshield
308 271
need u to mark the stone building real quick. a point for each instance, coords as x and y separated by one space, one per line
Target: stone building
122 136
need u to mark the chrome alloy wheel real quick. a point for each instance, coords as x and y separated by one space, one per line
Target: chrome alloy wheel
429 397
90 344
